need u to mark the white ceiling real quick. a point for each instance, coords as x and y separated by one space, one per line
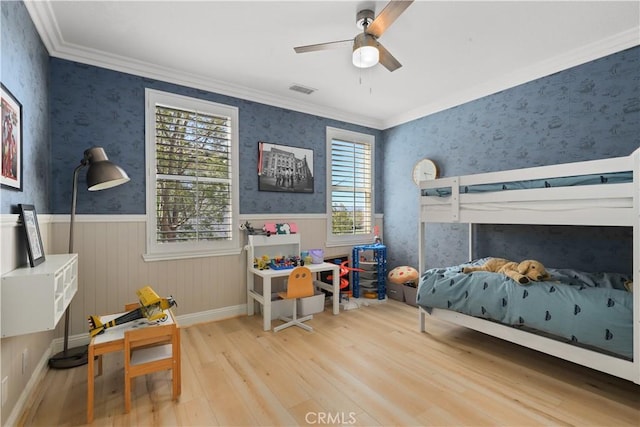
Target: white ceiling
451 52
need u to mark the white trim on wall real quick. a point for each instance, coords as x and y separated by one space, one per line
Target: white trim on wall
11 220
64 218
282 216
57 219
44 21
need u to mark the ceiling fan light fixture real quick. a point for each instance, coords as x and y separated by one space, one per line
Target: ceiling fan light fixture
365 51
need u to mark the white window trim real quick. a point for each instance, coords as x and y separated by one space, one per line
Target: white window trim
346 135
155 251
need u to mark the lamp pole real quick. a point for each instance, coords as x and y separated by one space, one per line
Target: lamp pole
102 174
74 198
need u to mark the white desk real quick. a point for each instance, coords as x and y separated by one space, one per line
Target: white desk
267 275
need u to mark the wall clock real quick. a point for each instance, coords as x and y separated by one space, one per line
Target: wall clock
425 169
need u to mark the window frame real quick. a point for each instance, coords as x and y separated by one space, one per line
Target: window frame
354 137
179 250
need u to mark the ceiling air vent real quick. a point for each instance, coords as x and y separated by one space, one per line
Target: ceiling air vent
302 89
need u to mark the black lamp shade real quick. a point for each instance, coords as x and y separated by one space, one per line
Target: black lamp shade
102 173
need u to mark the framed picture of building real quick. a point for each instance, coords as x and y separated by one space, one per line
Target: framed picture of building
284 168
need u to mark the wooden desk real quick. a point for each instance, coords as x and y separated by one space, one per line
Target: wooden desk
267 275
111 340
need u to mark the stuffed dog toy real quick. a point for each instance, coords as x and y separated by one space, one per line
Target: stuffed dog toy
523 273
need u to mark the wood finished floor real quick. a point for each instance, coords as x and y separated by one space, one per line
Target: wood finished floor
368 366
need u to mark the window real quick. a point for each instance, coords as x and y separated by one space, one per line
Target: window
350 163
192 177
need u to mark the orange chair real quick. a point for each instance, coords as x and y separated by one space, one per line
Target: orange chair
300 285
146 351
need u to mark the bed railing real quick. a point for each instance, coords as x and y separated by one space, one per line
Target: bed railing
610 204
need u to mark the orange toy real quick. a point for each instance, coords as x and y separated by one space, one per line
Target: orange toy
344 270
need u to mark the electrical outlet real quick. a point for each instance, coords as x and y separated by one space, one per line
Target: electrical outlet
5 390
25 361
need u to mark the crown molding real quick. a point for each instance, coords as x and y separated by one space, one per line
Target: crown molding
601 48
44 20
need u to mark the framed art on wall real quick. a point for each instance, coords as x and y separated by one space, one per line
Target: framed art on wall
285 168
32 233
11 154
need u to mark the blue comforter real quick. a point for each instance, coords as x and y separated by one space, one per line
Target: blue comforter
588 309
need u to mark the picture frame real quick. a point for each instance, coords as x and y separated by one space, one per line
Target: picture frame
285 169
11 147
29 219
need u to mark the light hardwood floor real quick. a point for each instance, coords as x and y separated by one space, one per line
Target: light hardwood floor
368 366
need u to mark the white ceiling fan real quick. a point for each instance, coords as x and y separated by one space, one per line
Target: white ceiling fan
367 50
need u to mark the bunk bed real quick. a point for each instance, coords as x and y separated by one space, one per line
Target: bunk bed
602 192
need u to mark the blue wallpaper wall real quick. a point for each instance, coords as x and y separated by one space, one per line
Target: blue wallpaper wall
25 72
94 106
587 112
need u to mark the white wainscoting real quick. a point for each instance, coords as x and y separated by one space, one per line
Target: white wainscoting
111 268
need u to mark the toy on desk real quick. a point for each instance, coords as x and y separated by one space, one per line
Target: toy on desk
252 231
270 228
283 263
262 263
151 306
284 228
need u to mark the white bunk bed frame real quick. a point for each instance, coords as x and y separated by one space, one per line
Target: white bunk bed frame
613 204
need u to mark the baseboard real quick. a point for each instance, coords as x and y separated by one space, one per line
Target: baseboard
28 393
212 315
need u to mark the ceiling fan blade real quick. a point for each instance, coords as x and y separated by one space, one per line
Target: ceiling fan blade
389 14
386 59
323 46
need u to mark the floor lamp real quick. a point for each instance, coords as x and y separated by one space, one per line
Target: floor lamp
102 174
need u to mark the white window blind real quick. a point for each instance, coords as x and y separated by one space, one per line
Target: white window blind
194 152
351 183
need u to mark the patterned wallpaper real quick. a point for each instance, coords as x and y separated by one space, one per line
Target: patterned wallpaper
587 112
94 106
25 72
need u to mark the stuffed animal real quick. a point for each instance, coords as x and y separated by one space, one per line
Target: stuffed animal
403 274
523 273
